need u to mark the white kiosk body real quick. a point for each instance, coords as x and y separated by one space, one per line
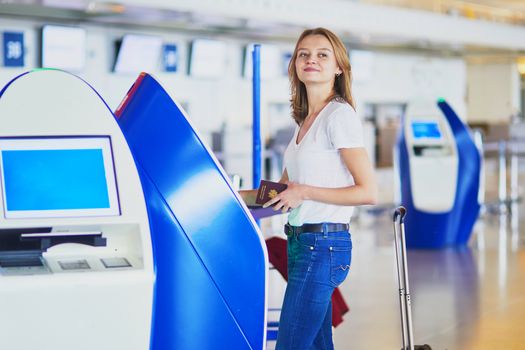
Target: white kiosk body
76 265
433 159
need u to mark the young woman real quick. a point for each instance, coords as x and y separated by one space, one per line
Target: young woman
328 172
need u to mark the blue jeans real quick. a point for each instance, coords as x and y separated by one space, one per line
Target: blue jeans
317 264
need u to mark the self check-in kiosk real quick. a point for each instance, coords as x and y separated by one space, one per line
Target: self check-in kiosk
210 258
76 264
439 174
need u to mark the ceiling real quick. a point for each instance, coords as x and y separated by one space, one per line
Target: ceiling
130 14
511 12
502 11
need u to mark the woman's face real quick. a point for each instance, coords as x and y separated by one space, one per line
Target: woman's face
315 62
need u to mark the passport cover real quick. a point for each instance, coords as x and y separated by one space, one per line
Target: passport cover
267 190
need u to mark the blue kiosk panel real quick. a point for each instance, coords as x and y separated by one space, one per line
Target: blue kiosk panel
466 206
210 260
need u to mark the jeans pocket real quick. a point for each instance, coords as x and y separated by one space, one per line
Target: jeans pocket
307 240
340 258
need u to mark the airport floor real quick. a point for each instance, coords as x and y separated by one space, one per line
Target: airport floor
462 298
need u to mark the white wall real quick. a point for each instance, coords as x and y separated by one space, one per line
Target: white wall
211 102
387 77
493 92
402 78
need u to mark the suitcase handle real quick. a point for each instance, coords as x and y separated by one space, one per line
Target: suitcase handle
402 275
400 212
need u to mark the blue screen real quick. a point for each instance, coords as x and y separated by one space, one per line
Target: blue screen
55 179
426 129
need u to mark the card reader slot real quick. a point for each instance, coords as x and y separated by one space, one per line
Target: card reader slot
27 258
430 150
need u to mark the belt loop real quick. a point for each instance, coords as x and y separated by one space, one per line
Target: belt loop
325 230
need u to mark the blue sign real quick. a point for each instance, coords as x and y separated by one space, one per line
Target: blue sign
170 58
13 49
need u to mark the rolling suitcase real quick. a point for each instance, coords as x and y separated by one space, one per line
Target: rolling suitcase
402 277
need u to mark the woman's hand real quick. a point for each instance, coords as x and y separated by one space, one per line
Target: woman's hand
288 199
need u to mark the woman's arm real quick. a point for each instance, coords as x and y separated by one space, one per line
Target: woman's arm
364 191
284 177
248 196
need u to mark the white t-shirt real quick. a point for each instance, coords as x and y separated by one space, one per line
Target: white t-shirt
316 161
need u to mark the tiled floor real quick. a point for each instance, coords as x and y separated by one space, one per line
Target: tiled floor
462 298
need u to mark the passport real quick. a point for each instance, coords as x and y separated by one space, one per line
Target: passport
268 190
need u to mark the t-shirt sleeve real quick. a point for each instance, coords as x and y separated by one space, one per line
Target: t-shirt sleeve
345 130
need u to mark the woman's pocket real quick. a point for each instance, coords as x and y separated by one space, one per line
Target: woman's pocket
307 241
340 258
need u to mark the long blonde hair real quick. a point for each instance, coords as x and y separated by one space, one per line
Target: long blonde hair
343 82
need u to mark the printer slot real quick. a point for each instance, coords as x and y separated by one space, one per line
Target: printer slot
40 239
10 238
48 240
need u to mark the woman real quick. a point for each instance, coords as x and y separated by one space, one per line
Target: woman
328 172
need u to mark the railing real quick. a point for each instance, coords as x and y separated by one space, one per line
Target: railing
509 154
